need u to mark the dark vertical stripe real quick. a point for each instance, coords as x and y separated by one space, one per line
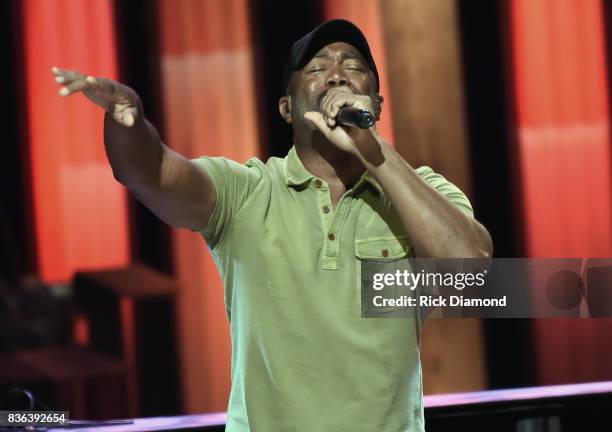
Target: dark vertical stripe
488 110
17 239
276 25
139 68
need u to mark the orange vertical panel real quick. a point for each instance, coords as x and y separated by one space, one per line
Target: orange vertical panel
560 88
209 97
79 209
366 15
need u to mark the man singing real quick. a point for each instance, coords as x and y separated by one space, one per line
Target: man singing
289 237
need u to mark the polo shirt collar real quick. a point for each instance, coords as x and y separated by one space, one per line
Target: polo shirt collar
296 173
367 177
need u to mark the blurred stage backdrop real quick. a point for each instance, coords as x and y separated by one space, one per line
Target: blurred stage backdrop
108 312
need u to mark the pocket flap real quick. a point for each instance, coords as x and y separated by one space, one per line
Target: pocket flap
382 248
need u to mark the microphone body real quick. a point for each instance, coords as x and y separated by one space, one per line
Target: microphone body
355 117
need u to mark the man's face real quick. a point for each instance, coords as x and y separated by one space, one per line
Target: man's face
337 64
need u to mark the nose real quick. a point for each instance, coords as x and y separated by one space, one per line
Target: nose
337 77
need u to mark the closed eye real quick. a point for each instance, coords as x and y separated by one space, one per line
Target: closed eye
354 67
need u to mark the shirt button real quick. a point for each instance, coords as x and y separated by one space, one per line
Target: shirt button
318 183
325 209
384 253
331 236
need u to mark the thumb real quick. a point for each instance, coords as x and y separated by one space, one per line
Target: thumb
316 118
126 117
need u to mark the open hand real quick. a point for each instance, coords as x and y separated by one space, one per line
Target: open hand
118 99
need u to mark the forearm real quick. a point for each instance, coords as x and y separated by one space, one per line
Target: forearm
173 187
434 225
135 153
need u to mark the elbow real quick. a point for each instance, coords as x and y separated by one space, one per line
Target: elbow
487 245
481 256
482 246
478 253
119 177
126 180
474 252
483 249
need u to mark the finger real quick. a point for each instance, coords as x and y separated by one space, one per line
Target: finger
325 105
111 96
102 86
61 79
331 108
334 93
126 117
338 103
329 120
326 100
317 119
65 76
75 86
333 97
129 116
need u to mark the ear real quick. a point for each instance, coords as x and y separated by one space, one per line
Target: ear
378 105
284 108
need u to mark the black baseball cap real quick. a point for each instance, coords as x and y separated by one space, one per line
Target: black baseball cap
337 30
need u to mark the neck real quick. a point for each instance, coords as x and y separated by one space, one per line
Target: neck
327 162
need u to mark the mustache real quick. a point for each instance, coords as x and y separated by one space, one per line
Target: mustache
325 92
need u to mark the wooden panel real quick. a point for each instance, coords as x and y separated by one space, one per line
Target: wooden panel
560 90
429 121
426 82
79 209
209 107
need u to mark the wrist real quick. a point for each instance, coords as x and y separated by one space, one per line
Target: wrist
369 150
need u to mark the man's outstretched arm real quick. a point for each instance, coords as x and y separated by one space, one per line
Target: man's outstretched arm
170 185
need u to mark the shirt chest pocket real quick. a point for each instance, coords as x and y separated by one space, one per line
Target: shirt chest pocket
379 262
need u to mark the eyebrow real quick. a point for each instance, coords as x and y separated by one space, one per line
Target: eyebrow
346 55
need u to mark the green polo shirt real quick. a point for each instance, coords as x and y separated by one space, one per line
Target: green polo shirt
303 359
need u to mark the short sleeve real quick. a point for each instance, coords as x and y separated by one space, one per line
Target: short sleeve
234 184
446 188
458 198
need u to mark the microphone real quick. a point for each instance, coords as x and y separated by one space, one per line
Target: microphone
355 117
